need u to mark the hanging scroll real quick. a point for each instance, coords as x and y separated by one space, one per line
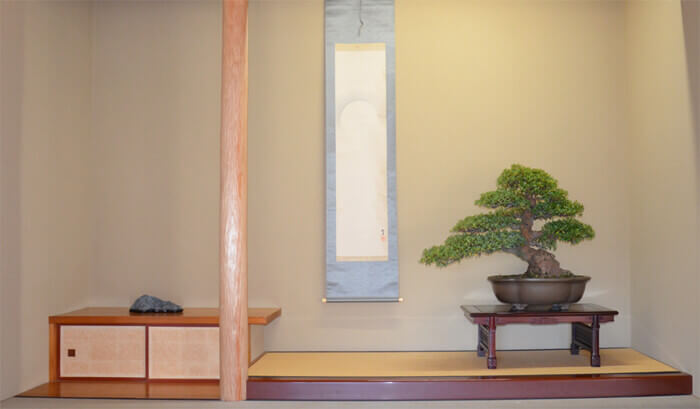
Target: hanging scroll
361 238
360 153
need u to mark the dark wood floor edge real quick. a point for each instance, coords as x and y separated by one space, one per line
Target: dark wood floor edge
531 387
545 387
130 398
130 389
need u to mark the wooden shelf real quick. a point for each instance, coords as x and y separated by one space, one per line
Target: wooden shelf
189 316
125 389
121 319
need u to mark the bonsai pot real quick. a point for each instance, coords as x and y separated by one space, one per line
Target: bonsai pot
558 293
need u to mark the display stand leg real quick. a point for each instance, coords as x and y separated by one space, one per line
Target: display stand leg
574 346
482 341
491 360
595 342
587 337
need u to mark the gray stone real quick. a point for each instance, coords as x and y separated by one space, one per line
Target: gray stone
148 303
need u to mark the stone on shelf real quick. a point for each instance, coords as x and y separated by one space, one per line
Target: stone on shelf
149 303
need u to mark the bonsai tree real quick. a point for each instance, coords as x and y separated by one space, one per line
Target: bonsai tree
524 195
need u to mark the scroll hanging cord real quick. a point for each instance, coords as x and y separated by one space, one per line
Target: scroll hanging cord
359 16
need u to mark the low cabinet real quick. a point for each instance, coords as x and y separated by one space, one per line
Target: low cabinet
113 343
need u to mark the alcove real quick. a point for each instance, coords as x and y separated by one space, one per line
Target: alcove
110 164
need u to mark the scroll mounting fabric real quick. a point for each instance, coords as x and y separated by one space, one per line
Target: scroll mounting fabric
361 221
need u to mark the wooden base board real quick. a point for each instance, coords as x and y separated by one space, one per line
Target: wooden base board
520 387
523 387
411 376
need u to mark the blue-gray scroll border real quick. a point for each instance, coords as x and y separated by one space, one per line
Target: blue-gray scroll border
350 22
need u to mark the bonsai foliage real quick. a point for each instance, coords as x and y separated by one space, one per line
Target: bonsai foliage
524 195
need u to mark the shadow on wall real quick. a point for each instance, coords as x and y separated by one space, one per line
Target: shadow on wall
11 83
691 31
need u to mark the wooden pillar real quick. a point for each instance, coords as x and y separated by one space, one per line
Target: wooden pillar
233 288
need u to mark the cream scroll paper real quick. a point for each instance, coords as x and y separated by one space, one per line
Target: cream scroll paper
360 147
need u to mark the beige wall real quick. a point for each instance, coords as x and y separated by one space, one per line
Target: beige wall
664 186
480 85
156 84
44 212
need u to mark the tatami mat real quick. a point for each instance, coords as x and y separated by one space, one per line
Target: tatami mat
440 364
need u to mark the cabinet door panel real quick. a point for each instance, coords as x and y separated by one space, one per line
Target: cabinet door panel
103 351
183 352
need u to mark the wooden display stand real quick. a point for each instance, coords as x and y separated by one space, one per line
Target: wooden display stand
112 343
585 322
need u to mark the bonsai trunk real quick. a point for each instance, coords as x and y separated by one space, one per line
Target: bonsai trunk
541 263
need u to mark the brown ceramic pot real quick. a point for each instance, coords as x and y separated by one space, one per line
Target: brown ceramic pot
555 292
